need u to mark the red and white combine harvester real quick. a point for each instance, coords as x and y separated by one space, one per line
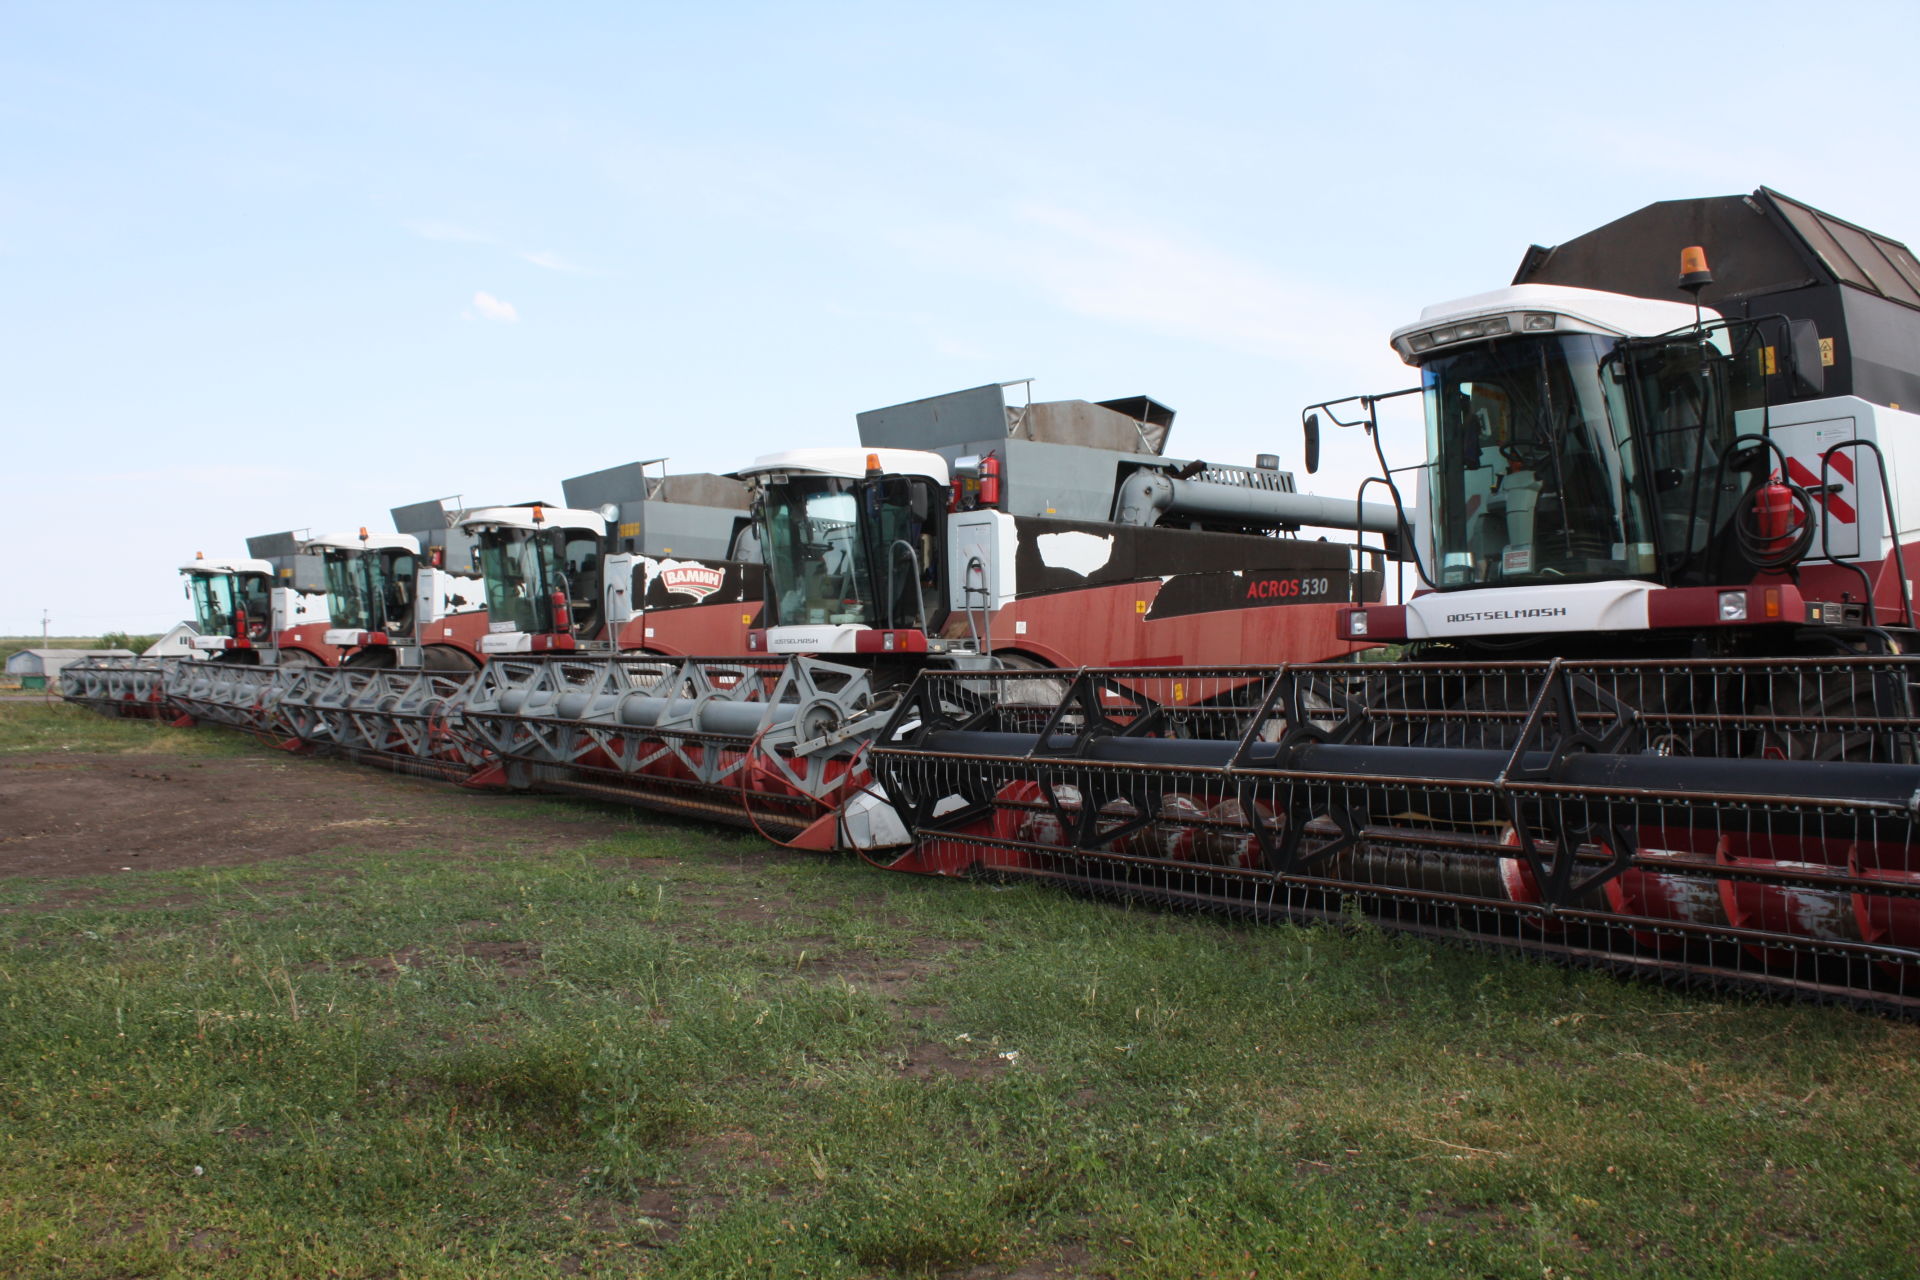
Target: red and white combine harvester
1653 707
1656 711
1068 539
1047 535
258 618
407 599
655 564
269 609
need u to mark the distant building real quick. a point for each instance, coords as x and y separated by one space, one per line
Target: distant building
36 667
177 643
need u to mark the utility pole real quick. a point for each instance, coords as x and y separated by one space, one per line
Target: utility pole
43 628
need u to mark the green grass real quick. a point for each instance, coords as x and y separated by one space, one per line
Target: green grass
48 726
660 1053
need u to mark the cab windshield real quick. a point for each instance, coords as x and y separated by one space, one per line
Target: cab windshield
1534 466
532 576
222 600
842 551
370 591
350 590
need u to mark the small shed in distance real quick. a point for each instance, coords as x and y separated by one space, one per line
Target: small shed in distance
36 667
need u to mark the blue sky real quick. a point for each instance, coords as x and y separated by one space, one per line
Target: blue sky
267 266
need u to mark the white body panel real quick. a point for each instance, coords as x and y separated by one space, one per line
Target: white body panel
848 463
297 609
508 641
1854 523
354 542
225 565
522 518
980 560
1494 611
814 638
443 593
345 637
616 583
1574 311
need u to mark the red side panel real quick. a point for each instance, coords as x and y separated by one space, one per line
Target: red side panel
1115 626
311 640
460 631
702 630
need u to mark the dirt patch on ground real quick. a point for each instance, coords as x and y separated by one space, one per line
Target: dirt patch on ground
935 1061
86 814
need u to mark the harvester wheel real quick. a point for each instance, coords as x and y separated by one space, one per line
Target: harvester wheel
439 657
291 659
1796 702
1040 691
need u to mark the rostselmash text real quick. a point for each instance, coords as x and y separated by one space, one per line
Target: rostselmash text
1501 615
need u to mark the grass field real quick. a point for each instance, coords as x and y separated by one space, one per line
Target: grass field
669 1051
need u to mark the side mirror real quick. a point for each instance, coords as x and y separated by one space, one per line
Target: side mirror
475 566
1312 428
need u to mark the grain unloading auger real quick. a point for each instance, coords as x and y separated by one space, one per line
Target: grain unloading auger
1543 806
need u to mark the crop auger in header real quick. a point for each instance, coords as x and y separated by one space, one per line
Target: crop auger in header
132 688
1540 806
774 745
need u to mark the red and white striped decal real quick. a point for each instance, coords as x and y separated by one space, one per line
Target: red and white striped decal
1836 505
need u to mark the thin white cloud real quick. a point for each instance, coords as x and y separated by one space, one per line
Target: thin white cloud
1168 281
551 261
442 232
488 307
448 232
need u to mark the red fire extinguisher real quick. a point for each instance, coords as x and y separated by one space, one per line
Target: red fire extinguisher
990 481
1776 516
562 616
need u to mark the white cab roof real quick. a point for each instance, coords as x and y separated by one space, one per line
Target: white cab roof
522 518
848 463
218 564
354 542
1577 310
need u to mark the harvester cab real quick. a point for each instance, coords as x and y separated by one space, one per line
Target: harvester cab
1053 534
232 605
661 563
405 599
542 567
1610 460
267 609
372 591
682 570
853 542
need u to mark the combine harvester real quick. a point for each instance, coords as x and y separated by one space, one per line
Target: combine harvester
409 615
1658 713
257 617
647 568
1656 708
265 610
636 563
407 599
967 534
